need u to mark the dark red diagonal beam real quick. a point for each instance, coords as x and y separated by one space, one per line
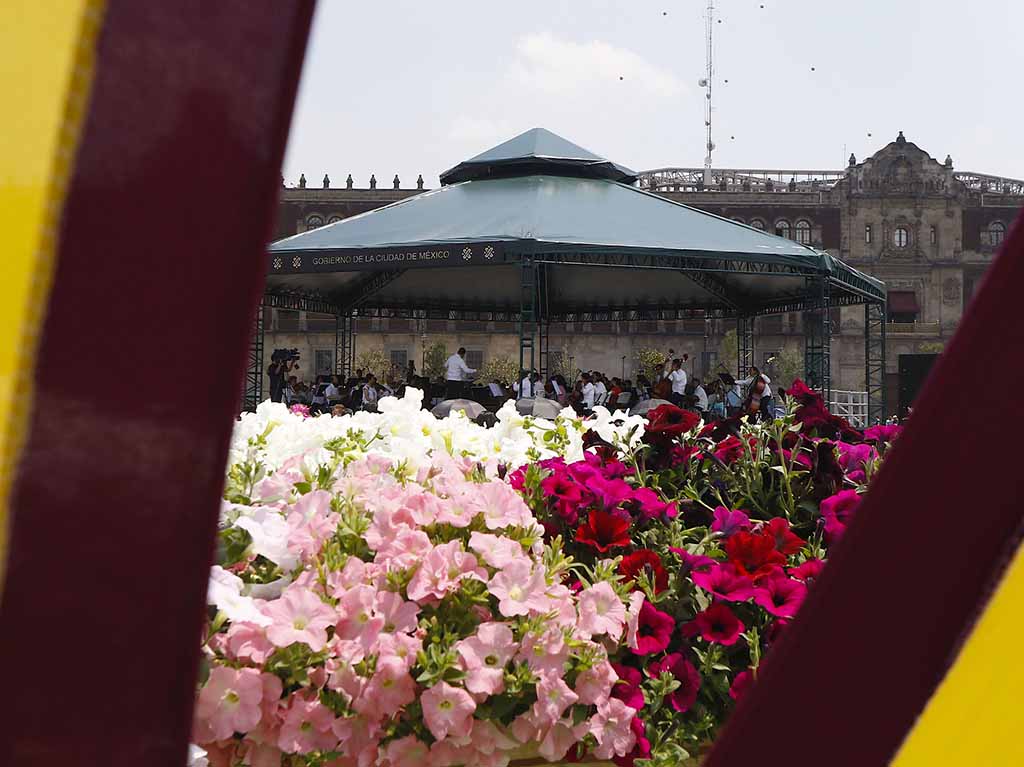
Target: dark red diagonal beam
139 373
849 678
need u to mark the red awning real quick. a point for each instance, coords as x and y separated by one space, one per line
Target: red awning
902 302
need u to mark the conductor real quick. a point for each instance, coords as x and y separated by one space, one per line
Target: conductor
457 375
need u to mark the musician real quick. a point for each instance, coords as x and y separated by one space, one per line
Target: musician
678 379
765 393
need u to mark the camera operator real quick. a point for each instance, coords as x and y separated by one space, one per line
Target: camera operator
278 373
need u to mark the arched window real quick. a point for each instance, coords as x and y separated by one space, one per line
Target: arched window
996 233
757 223
803 232
901 237
334 219
782 228
314 222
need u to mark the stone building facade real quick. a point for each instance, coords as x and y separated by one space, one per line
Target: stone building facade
928 231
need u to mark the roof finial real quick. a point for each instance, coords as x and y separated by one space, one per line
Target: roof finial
327 181
373 181
853 159
949 162
900 139
302 181
397 183
419 181
348 181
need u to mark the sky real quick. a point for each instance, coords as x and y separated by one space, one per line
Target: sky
415 86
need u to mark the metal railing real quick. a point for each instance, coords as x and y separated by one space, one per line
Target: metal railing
851 405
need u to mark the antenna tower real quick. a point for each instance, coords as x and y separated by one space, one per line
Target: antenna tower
707 82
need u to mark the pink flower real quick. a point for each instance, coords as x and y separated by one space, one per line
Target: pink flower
307 727
837 512
447 711
519 589
642 749
612 728
247 641
441 571
627 688
743 682
553 697
601 611
299 409
229 702
547 652
716 624
724 582
501 506
854 460
728 522
485 655
406 752
684 672
299 616
358 621
595 683
398 614
497 551
401 646
654 630
781 596
389 689
808 571
557 741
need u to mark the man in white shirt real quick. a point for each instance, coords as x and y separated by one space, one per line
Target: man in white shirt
766 407
600 390
589 392
678 379
370 394
457 373
526 387
701 395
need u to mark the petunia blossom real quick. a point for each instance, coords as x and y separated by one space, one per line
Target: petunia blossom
300 616
644 560
612 728
307 727
601 611
809 571
520 589
837 511
683 697
781 596
484 657
596 683
728 522
390 688
716 624
229 702
604 531
753 554
786 542
554 696
724 582
627 687
654 630
447 711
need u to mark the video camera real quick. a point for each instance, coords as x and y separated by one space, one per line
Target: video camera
285 355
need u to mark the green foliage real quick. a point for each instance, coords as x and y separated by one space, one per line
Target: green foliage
374 361
562 363
728 350
502 369
649 361
932 347
433 361
788 366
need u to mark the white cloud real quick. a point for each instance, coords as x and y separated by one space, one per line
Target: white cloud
547 63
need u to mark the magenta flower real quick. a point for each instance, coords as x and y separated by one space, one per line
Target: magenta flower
728 522
299 616
653 630
882 433
627 688
725 583
743 682
646 505
689 679
716 624
692 562
781 596
854 460
837 511
808 571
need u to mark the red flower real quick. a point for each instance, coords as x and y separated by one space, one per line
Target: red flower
743 682
566 495
786 542
668 421
627 687
716 624
684 672
753 554
653 630
780 595
604 531
837 511
642 749
812 412
731 449
644 560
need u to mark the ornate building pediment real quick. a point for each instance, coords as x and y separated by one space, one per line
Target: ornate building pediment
901 168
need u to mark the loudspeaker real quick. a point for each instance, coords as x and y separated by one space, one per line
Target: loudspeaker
914 369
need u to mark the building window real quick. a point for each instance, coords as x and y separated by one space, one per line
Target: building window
996 233
867 234
314 222
287 320
901 237
399 358
782 228
334 219
323 362
475 358
933 236
803 232
757 223
902 306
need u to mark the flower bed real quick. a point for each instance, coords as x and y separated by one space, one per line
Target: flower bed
396 589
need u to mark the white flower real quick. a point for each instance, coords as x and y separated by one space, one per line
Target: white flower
269 533
197 756
225 593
